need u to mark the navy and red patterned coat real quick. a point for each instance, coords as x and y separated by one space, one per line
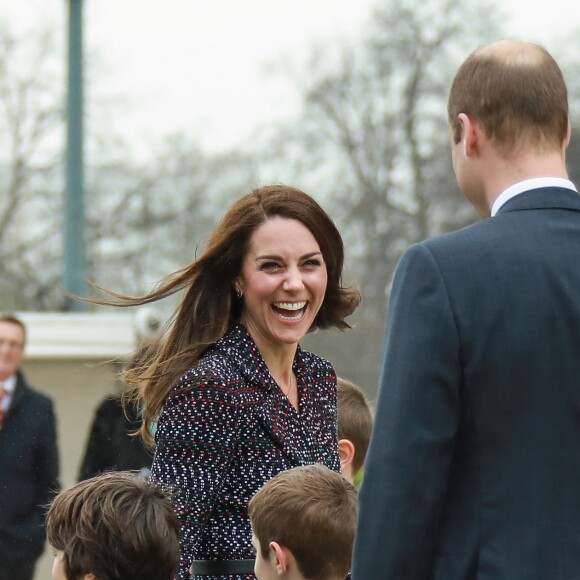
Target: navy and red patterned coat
225 430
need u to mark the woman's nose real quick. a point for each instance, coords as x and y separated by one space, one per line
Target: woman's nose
293 280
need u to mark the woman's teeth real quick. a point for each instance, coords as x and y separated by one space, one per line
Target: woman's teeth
290 305
289 310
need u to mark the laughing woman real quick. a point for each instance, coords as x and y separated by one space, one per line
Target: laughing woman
234 398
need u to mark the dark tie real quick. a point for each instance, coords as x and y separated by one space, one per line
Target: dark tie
3 393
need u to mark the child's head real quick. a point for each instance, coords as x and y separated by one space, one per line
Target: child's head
303 523
355 423
111 527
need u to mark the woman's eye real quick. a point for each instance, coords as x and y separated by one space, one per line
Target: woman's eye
312 262
270 266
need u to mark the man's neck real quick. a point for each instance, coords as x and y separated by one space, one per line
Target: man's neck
507 172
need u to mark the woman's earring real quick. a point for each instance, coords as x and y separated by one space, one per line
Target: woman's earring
239 293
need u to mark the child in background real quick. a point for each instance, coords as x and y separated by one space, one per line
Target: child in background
111 445
355 423
303 522
115 526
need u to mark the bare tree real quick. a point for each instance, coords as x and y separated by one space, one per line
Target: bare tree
160 215
374 139
30 117
566 55
143 220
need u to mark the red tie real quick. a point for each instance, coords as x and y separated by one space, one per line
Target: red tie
3 393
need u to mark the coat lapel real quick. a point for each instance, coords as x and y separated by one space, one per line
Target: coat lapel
17 395
272 408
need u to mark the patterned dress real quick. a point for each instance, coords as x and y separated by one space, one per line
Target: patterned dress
225 430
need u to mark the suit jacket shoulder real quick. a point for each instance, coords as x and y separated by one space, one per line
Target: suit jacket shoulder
24 393
525 211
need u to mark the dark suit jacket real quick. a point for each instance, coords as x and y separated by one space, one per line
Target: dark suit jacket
226 429
473 470
111 445
28 475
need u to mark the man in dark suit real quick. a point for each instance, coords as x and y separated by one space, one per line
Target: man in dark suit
28 459
473 470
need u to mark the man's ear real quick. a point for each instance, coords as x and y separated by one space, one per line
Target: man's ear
568 136
469 134
280 558
345 452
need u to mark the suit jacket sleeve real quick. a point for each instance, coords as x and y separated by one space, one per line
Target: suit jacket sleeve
196 437
98 447
417 418
31 529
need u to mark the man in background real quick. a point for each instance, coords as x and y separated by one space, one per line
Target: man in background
473 469
28 459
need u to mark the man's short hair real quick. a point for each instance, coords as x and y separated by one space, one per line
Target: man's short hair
517 92
115 526
311 511
355 420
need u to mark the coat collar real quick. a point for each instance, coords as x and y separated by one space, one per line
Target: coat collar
240 347
288 429
18 394
543 198
19 390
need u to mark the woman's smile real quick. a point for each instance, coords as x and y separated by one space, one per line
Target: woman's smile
290 310
283 282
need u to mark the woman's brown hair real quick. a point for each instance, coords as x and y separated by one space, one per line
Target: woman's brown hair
210 306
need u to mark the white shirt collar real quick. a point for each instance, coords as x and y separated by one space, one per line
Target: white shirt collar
10 383
527 185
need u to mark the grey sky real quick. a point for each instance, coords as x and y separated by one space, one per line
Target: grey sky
199 65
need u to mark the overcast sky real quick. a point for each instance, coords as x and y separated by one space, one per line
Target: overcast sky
201 65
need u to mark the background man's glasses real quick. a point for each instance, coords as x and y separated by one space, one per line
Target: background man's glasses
10 344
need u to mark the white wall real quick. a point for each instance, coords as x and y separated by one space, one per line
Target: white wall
75 360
